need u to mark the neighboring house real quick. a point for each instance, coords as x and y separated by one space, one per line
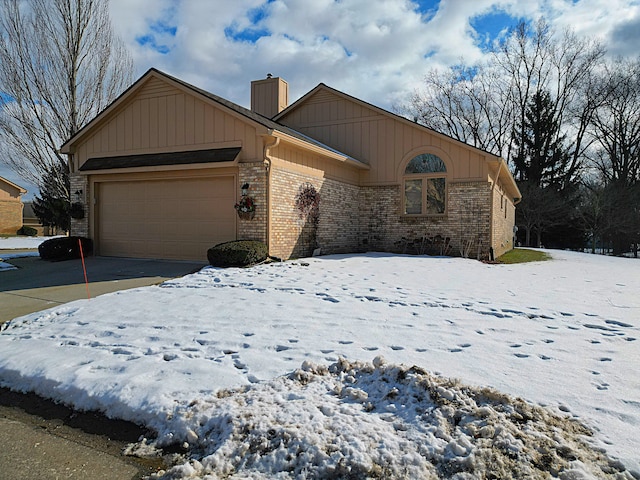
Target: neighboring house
10 207
160 169
29 219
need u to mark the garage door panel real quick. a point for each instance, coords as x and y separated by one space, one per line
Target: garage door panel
173 219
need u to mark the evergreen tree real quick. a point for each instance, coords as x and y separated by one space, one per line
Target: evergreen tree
543 172
52 207
542 157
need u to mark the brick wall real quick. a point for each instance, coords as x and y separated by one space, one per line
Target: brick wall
255 174
354 219
291 235
337 230
80 227
504 213
10 216
340 215
466 222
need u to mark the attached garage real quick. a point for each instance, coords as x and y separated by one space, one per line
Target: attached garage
177 218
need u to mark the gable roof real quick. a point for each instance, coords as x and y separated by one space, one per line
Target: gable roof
247 114
21 190
496 160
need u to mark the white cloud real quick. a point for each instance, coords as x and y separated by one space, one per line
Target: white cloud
378 50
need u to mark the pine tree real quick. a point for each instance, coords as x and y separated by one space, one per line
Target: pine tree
52 207
543 173
542 158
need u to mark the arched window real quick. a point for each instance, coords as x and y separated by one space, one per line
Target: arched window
425 185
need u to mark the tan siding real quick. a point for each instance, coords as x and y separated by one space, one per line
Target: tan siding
154 134
313 164
174 121
120 132
198 128
381 141
171 119
135 126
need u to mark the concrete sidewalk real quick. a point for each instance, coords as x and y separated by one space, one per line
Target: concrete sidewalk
38 439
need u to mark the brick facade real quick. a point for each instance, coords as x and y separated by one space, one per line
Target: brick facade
79 183
291 234
466 223
359 219
504 214
255 174
10 216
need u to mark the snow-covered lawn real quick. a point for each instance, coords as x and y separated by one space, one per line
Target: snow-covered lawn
208 359
18 243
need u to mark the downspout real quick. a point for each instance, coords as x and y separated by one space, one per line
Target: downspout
493 187
267 166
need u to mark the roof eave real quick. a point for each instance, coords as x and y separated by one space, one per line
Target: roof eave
327 152
21 190
504 174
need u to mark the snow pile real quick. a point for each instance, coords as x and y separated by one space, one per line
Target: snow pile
373 420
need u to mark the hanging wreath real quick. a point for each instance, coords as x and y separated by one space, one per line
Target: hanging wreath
246 208
308 202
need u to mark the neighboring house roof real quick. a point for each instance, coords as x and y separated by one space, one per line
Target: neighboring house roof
21 191
249 115
497 161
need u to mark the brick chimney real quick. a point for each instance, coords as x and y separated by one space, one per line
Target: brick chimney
269 96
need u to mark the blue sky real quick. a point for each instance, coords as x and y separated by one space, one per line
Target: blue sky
377 50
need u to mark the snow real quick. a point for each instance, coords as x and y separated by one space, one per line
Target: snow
266 372
18 243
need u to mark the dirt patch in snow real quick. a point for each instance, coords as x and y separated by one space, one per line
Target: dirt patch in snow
375 420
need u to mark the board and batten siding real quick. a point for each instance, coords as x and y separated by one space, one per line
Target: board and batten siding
312 162
380 140
161 117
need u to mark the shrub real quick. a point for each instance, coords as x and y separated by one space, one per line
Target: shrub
76 210
28 231
64 248
238 253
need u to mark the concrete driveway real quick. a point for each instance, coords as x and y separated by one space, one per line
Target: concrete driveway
38 284
41 440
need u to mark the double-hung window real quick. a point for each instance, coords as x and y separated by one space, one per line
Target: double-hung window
425 185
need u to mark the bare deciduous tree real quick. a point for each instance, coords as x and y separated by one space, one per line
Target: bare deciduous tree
60 64
466 103
538 60
616 125
483 104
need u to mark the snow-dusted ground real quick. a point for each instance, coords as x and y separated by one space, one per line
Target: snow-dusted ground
207 360
18 243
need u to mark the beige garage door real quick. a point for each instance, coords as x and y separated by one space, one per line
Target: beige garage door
169 219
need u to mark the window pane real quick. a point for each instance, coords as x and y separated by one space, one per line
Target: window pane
425 163
413 196
435 195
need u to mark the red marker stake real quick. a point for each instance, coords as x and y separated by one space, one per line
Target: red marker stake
84 268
